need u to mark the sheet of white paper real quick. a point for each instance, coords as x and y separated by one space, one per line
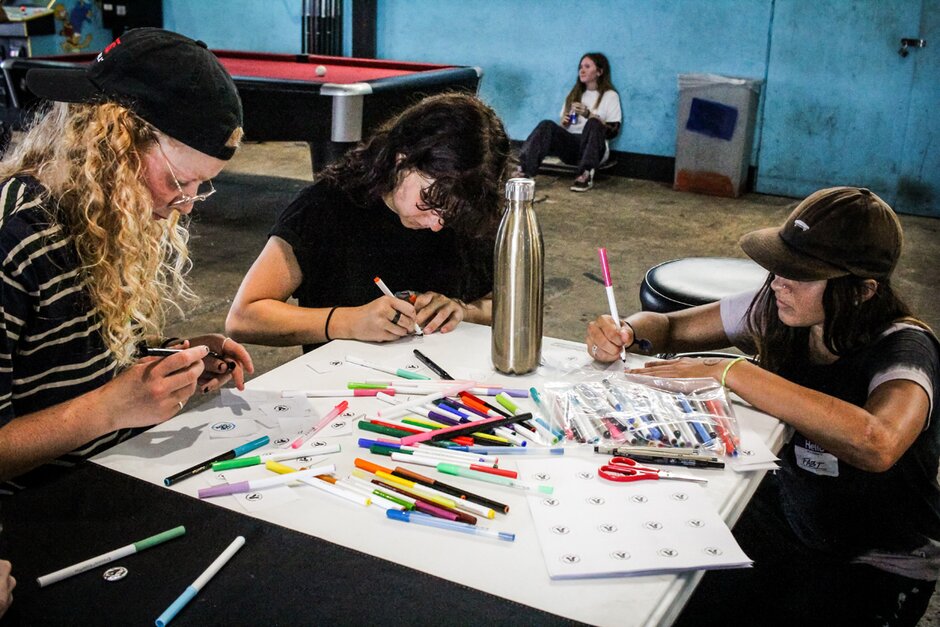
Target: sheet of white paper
232 428
753 454
590 527
266 499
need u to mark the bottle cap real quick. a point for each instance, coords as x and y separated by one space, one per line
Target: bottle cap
520 189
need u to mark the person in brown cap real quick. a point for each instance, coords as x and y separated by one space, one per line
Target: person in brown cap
848 532
93 247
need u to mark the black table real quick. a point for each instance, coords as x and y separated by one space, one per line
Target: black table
280 577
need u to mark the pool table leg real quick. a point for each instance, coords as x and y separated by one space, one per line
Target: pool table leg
346 130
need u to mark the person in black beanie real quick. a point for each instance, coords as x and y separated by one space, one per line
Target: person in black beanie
93 248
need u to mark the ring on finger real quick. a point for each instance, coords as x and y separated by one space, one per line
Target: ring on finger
222 348
396 317
594 351
180 403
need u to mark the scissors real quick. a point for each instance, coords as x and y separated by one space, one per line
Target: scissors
624 469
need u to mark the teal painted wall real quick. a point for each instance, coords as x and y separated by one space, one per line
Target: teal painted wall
268 26
809 53
530 49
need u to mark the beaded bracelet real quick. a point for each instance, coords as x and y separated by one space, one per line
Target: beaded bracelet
724 374
326 327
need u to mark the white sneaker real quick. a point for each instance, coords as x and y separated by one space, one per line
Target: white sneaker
583 186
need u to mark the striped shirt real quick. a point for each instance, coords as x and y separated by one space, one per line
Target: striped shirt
51 349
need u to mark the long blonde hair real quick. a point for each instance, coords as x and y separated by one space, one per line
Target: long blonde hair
89 160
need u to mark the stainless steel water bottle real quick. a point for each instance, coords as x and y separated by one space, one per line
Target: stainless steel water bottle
519 284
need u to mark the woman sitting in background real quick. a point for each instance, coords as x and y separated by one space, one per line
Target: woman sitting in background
417 205
591 115
848 531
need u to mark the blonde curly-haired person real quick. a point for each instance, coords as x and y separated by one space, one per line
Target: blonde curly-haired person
93 248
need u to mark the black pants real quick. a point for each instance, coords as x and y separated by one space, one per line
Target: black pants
791 584
584 150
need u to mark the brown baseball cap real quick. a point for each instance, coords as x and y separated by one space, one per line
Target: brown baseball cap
834 232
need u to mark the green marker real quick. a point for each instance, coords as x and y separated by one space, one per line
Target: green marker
255 460
398 433
503 399
459 471
110 556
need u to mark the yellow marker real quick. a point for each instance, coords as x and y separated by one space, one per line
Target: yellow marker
278 467
413 488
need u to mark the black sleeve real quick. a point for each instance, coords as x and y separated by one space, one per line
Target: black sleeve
613 129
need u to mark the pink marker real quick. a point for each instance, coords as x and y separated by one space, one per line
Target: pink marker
609 287
333 413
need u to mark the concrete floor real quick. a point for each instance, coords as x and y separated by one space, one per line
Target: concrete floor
641 223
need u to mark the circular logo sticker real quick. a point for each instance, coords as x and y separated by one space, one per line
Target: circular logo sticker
653 525
596 500
223 426
668 552
569 558
607 528
714 551
561 530
696 523
620 555
639 498
680 496
586 474
551 502
114 574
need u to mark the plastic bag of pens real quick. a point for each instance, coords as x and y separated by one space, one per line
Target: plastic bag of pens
632 410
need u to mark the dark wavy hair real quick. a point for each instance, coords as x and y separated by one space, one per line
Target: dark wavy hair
851 322
604 81
454 139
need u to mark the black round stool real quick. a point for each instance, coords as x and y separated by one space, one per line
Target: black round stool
683 283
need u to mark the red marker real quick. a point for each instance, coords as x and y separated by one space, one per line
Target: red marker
333 413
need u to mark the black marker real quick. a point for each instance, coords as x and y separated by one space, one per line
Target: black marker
146 351
433 366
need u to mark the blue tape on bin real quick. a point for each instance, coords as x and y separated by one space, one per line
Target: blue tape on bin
712 118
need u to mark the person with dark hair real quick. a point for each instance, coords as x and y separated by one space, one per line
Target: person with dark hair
93 248
417 204
589 118
848 531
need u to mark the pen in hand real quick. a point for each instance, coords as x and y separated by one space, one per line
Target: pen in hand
381 285
609 288
146 351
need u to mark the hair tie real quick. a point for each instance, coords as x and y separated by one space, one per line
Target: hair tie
724 375
326 327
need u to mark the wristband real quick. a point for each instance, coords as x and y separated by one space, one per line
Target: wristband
645 345
724 374
326 327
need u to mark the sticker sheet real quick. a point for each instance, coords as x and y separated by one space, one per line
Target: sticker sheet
591 527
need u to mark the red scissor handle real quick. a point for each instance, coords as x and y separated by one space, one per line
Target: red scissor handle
625 469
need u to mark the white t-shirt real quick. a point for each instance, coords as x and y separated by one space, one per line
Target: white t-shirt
608 109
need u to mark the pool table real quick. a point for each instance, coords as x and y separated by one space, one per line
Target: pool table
284 99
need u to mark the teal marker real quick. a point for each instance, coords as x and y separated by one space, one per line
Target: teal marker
110 556
558 433
460 471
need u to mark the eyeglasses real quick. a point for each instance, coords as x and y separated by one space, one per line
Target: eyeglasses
184 198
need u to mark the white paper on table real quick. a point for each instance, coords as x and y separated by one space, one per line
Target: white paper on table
232 428
246 403
341 425
266 499
590 527
753 454
275 410
323 366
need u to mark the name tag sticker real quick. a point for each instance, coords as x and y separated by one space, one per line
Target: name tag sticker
817 462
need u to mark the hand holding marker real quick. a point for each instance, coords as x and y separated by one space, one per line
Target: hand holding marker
381 284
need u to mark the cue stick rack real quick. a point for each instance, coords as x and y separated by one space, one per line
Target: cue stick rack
322 27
